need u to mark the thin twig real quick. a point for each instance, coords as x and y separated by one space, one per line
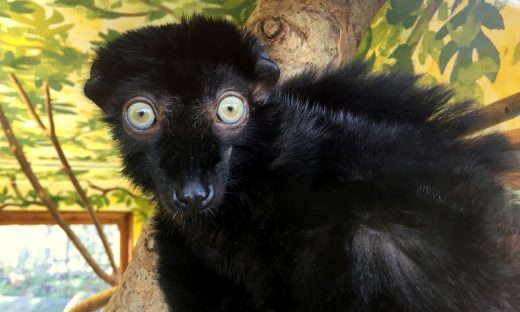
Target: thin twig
95 8
48 107
51 134
23 204
26 100
16 190
158 6
44 197
95 302
107 190
422 24
72 177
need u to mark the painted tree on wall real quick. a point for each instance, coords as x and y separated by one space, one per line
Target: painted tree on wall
455 35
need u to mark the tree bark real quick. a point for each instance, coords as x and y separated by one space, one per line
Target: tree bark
298 33
306 33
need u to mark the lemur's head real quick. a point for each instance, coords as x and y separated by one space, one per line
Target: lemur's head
178 98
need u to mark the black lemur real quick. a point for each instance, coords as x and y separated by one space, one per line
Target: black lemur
335 190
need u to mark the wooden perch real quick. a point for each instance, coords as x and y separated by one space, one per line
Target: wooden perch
500 111
95 302
138 290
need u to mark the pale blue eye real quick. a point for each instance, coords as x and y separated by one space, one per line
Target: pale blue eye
140 115
231 109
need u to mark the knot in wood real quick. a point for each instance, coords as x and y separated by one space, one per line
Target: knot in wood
150 244
271 27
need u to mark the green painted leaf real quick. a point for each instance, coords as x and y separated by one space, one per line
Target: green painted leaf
485 48
463 60
516 56
465 35
64 111
231 4
56 18
455 5
429 46
403 12
489 16
477 69
371 60
25 61
467 90
403 56
441 33
443 11
428 80
68 2
155 15
20 7
455 22
8 58
116 5
4 7
446 54
364 45
460 18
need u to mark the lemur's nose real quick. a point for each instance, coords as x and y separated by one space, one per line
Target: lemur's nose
193 196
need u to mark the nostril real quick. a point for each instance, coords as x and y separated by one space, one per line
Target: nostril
209 195
179 200
193 195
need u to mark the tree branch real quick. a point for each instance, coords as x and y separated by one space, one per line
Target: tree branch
45 199
72 177
306 33
26 100
23 204
158 6
499 111
95 302
105 191
95 8
422 24
16 189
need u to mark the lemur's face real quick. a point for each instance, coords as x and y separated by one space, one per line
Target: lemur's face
178 99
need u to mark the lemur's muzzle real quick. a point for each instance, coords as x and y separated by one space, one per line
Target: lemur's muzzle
193 196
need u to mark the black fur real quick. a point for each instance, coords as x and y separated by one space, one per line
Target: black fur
343 190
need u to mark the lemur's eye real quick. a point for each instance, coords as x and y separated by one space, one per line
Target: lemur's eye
140 115
231 109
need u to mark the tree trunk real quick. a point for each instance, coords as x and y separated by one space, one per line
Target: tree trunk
312 33
298 33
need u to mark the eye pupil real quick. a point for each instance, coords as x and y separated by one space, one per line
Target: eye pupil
140 115
231 109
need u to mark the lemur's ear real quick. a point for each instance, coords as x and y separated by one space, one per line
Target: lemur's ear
96 90
266 74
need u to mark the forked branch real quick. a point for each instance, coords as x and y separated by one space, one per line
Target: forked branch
51 134
45 199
